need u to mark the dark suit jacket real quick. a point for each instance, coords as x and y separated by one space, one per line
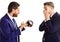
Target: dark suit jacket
8 31
51 28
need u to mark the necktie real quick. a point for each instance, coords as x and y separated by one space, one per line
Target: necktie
14 22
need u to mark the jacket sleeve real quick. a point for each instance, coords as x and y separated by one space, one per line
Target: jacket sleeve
23 29
42 26
53 27
6 31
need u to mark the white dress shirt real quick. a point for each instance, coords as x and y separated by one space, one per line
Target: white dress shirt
10 16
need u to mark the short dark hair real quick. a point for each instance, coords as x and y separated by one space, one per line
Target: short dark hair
49 4
12 5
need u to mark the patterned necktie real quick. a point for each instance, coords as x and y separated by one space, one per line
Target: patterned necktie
14 22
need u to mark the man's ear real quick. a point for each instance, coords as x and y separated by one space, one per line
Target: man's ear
13 10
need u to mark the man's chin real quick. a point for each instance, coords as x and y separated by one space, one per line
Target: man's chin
14 15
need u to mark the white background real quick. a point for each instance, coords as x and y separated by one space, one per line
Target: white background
29 10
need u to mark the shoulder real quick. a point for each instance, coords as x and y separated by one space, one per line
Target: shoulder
57 18
4 18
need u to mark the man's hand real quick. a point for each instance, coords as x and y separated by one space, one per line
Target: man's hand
23 25
29 23
47 15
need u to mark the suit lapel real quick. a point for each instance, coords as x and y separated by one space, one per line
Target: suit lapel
54 17
12 25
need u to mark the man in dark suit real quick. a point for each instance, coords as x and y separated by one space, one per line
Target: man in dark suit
51 24
9 31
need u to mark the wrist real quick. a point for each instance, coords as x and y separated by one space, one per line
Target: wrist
21 27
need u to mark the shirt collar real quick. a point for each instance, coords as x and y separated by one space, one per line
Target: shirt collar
10 16
53 14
